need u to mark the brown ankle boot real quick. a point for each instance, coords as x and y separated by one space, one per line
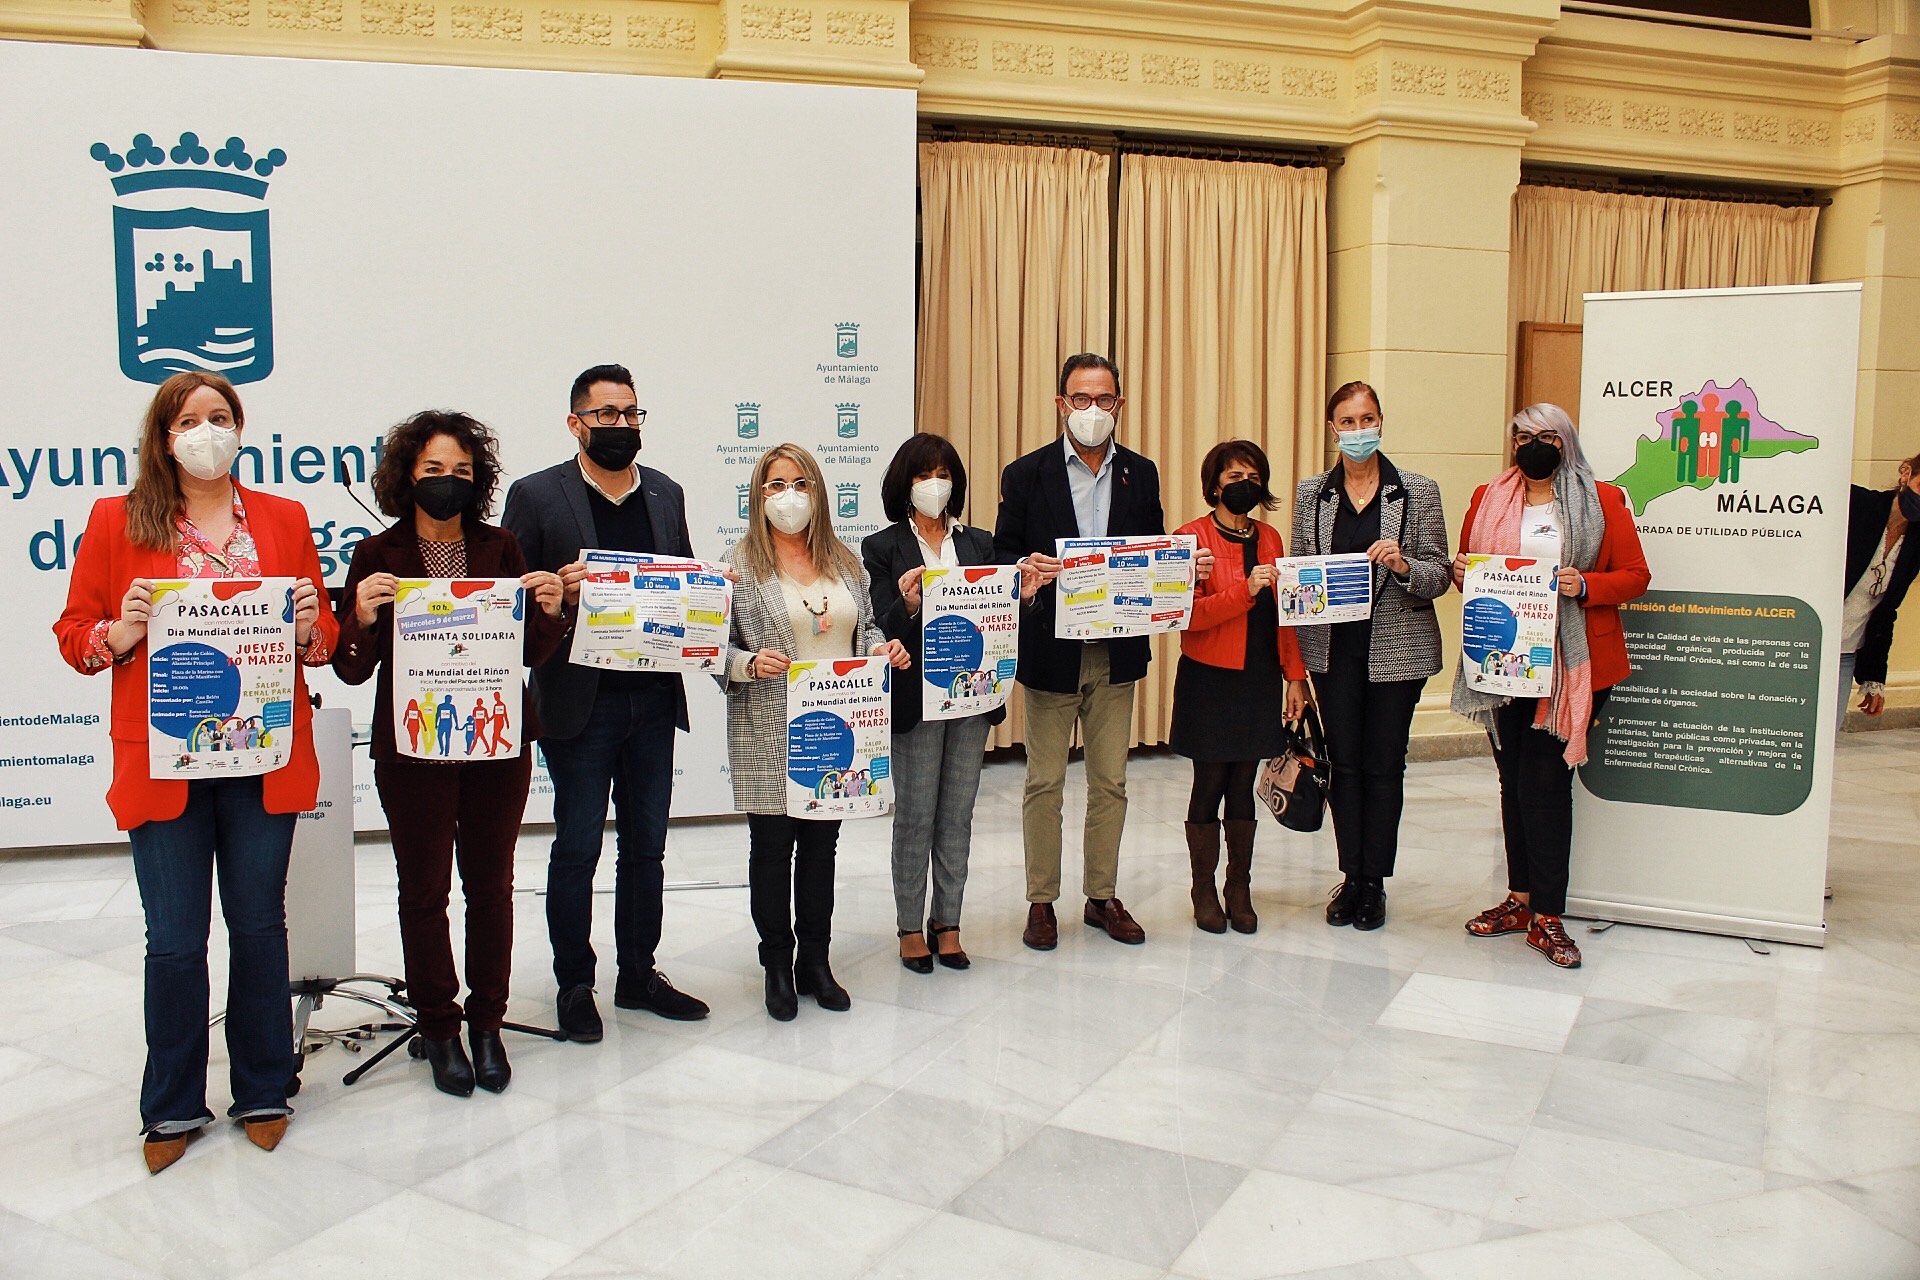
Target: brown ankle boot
1239 889
1203 850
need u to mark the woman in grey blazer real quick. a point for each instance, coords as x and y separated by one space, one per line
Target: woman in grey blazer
801 595
1368 675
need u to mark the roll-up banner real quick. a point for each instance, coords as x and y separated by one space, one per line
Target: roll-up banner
1726 416
351 243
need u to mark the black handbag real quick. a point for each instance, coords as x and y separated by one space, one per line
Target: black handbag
1294 784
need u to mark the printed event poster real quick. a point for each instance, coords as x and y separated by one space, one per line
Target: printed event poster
1317 591
220 677
839 738
651 613
1110 588
969 639
458 667
1507 623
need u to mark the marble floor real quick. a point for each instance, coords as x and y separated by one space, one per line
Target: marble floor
1411 1104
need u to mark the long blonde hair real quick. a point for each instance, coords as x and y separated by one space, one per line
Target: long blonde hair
824 547
154 503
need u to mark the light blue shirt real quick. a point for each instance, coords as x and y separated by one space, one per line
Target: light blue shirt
1092 490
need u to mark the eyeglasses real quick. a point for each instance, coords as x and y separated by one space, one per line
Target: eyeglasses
1528 437
802 485
1081 400
606 415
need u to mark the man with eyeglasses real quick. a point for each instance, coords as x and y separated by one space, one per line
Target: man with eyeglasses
605 731
1084 485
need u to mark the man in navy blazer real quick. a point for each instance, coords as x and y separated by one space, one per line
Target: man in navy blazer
605 730
1085 484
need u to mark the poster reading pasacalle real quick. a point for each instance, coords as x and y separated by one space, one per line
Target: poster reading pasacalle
458 667
969 639
1507 626
839 738
220 677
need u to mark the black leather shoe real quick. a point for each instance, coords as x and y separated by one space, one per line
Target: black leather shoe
916 964
816 980
1371 911
1345 898
657 995
490 1069
577 1014
783 1005
452 1073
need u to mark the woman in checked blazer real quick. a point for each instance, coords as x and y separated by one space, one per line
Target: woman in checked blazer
802 595
1369 674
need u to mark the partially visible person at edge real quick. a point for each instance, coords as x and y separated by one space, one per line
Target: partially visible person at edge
1881 563
1368 674
186 517
1236 664
1083 485
1548 506
801 596
606 733
437 477
936 763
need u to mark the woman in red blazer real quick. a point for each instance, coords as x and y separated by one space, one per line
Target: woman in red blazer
437 476
1236 662
186 517
1548 506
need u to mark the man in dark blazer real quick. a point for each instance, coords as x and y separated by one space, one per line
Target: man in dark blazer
605 729
1085 484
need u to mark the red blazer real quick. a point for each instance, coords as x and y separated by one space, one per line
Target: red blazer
1217 634
104 565
1619 575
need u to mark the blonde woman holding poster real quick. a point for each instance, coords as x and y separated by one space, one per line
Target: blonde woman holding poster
1548 507
801 596
187 518
453 792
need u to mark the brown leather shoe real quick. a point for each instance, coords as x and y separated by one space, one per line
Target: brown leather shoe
1511 916
1043 931
265 1132
1113 918
1203 855
162 1152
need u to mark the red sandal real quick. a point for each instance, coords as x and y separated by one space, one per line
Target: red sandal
1511 916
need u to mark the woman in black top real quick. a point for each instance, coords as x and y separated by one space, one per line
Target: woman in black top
1882 558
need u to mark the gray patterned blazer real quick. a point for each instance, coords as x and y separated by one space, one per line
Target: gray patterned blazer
1406 635
757 709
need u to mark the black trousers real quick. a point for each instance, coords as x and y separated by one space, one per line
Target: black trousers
1536 804
790 886
1367 726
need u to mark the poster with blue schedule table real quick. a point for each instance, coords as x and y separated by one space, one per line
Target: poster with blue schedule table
1318 591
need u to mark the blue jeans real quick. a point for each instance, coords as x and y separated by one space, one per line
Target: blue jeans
626 746
224 825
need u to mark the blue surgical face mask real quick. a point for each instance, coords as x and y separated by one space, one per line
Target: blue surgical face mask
1360 445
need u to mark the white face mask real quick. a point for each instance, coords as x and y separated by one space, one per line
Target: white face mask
930 497
1090 427
790 511
206 450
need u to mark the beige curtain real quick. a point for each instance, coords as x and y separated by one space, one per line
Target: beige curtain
1222 297
1567 243
1013 280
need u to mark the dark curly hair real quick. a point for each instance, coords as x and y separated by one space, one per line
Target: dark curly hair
393 479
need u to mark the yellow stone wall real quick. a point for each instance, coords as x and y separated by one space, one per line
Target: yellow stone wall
1433 107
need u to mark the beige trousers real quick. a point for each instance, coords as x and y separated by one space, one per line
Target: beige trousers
1105 714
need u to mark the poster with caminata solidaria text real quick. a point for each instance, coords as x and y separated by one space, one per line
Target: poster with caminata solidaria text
459 668
220 677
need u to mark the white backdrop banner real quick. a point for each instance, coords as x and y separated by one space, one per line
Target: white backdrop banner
351 243
1726 415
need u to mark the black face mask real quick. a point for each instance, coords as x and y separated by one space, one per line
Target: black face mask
1537 459
443 497
1910 504
1241 496
612 448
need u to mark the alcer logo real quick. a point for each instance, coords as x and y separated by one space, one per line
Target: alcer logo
192 270
1701 440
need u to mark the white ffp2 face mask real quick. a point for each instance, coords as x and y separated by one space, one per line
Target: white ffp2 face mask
206 450
930 497
1090 427
789 511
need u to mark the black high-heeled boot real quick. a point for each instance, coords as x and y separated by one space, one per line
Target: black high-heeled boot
452 1073
783 1005
490 1069
816 979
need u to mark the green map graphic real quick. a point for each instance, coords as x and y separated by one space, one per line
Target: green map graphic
1703 441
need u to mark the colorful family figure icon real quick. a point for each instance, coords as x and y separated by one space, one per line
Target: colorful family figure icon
972 684
1515 665
1302 601
484 728
1709 440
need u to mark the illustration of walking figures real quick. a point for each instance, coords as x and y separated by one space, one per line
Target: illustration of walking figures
1736 436
1686 441
444 719
412 718
500 723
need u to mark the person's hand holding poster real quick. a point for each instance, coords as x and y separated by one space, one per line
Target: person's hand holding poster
1111 588
641 612
220 678
458 668
1508 622
969 639
1314 591
839 738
